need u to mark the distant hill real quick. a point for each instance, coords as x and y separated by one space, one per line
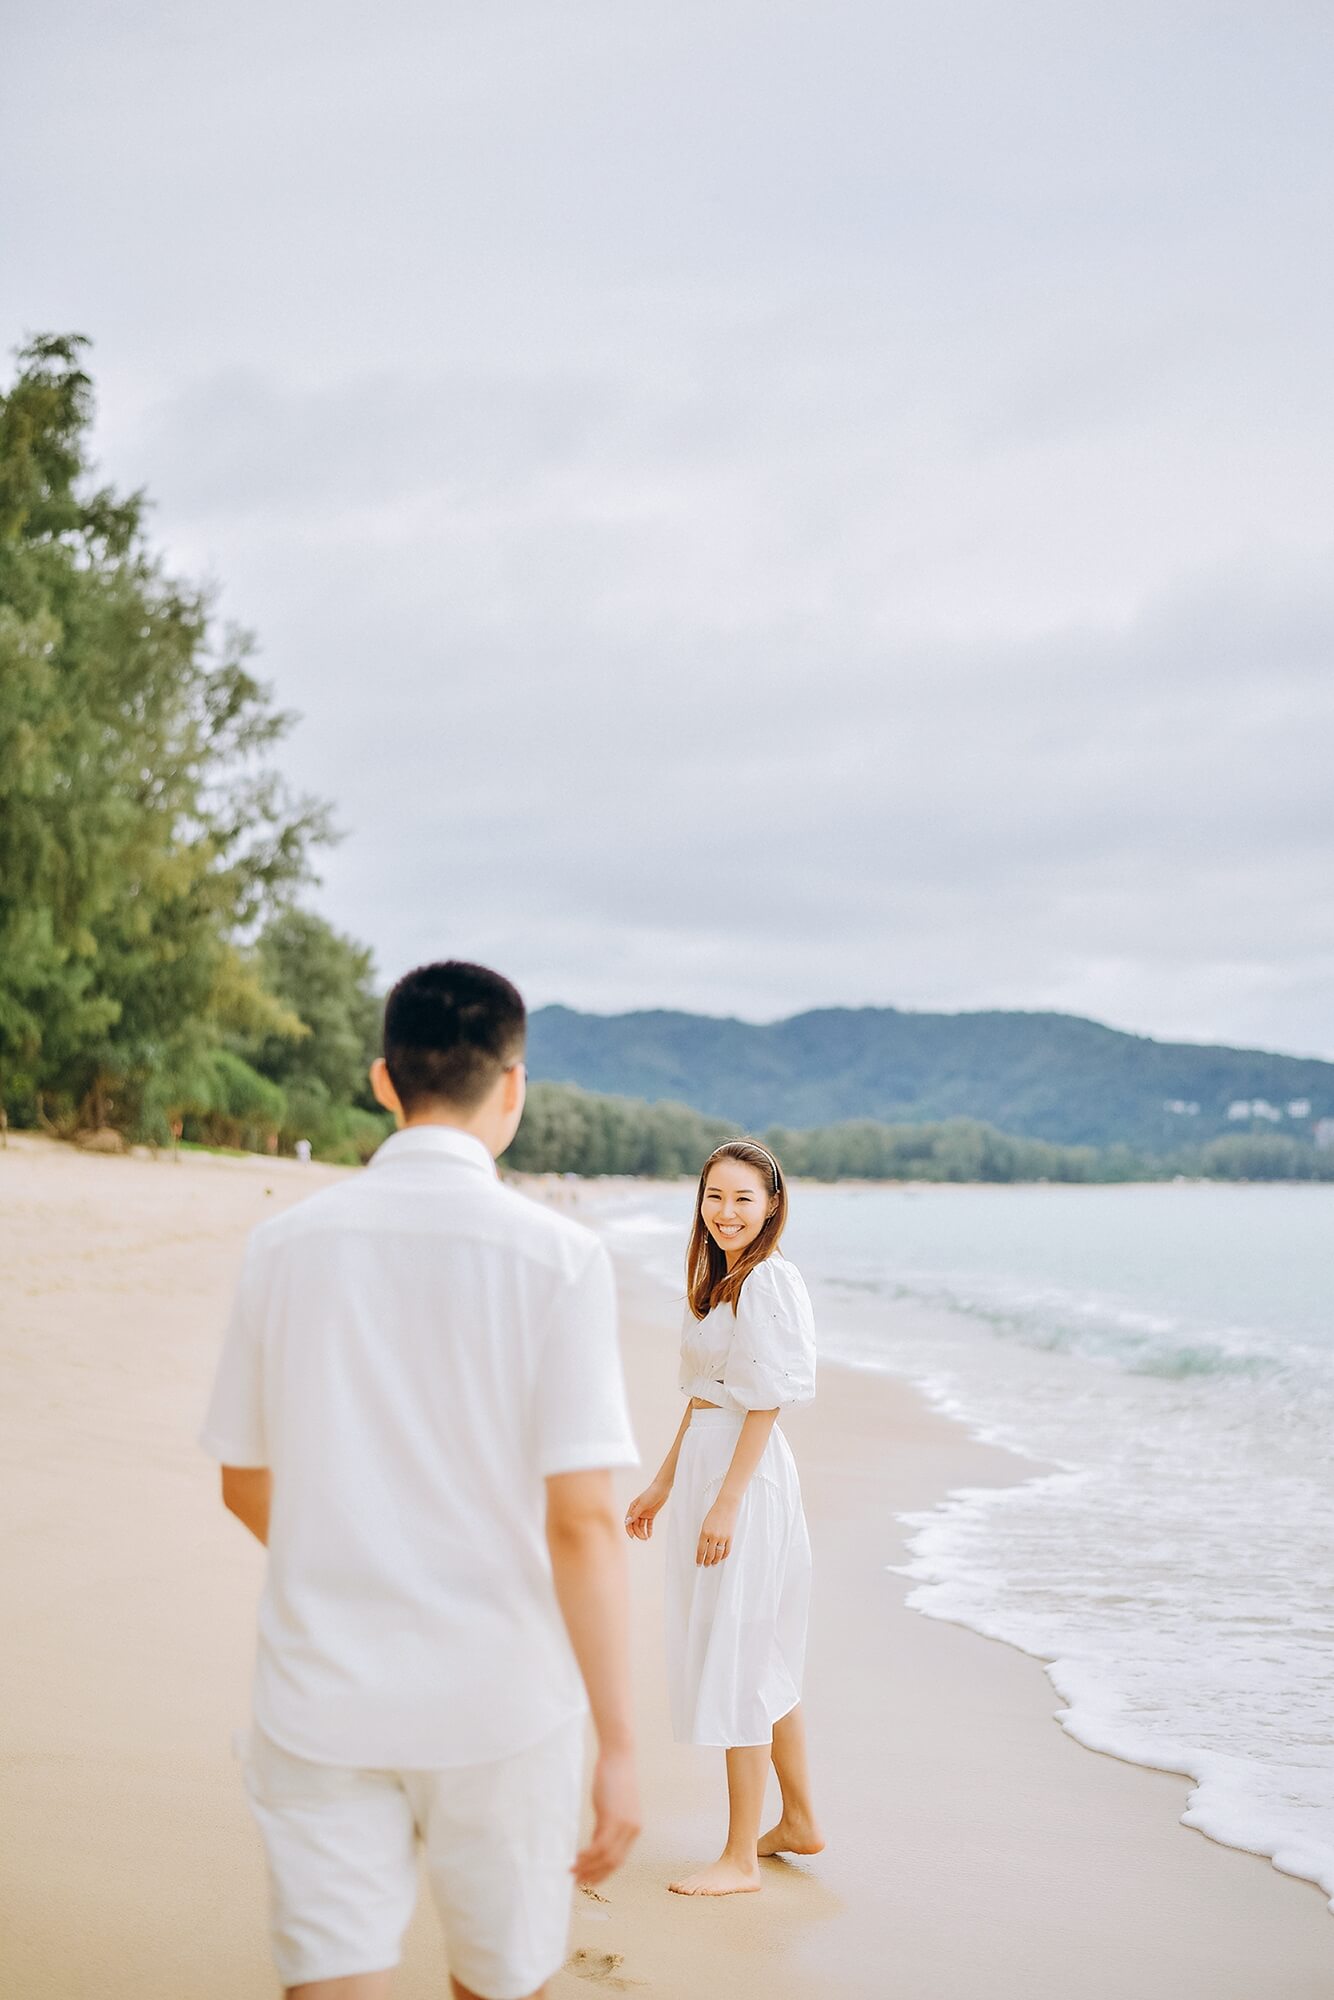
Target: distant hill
1042 1076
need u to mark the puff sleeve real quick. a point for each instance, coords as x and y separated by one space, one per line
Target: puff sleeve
772 1357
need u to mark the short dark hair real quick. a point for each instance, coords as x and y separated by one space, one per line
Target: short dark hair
449 1031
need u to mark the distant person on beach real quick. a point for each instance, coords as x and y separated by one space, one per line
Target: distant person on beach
738 1554
302 1150
417 1408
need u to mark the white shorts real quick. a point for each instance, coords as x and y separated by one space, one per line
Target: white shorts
499 1841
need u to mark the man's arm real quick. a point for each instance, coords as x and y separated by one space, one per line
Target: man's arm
588 1564
247 1492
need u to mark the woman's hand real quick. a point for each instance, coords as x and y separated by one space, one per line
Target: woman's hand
641 1513
715 1537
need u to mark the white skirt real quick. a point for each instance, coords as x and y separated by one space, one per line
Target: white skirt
736 1631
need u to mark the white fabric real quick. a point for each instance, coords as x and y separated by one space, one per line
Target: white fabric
762 1357
411 1351
736 1630
498 1839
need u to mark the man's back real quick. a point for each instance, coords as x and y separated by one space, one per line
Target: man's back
412 1353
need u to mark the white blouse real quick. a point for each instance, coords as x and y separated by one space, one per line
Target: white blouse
761 1357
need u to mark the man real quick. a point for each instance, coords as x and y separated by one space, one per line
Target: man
417 1408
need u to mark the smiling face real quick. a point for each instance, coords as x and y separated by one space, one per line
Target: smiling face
735 1205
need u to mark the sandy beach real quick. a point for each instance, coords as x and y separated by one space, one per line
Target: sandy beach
975 1852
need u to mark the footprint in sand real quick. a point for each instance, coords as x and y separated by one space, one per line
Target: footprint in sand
603 1967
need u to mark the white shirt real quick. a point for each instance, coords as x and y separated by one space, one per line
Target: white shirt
412 1352
763 1355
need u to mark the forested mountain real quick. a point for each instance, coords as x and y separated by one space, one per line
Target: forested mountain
1043 1076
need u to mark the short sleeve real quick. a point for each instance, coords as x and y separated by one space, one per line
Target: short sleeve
772 1357
582 1421
234 1431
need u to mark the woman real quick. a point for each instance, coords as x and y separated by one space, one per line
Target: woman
738 1555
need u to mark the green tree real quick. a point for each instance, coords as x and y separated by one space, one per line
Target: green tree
240 1107
143 831
571 1131
1262 1156
327 982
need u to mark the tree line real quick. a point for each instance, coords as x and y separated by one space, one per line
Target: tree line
159 976
573 1131
156 974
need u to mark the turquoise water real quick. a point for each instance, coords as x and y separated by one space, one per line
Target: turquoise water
1165 1355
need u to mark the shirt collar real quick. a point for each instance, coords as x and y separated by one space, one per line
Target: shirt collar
443 1142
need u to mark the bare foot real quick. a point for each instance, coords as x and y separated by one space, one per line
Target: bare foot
791 1836
725 1878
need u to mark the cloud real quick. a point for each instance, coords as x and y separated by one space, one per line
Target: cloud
757 506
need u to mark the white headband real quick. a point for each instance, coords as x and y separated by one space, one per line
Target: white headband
722 1154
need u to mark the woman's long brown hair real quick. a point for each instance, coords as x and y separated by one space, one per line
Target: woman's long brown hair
709 1283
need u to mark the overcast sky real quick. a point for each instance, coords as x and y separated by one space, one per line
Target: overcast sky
757 506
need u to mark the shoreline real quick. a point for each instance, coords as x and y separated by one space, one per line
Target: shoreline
975 1852
542 1181
974 1844
555 1181
1138 1696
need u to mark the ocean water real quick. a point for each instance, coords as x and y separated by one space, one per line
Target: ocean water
1164 1355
